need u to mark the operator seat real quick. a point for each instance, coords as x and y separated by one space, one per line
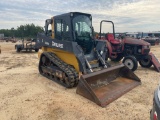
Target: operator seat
117 45
111 39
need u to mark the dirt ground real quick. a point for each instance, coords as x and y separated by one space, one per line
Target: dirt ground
26 95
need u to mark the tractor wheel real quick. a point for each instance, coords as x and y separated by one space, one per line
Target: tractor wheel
130 62
36 50
117 59
18 49
146 62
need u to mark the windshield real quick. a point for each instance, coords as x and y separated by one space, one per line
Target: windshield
82 27
83 32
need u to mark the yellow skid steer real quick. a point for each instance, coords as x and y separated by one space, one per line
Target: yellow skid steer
71 56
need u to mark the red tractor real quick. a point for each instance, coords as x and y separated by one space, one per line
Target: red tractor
129 49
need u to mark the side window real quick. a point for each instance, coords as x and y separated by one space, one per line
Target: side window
58 30
67 28
62 30
59 27
49 30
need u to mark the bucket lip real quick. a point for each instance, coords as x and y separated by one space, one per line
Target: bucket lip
103 70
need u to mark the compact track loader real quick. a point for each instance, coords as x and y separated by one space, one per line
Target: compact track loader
71 56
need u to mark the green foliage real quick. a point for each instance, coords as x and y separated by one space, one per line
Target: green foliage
28 30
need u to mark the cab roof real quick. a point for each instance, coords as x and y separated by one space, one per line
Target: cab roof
72 14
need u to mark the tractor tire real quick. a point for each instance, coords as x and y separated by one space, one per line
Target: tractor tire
146 62
130 62
36 50
18 49
117 59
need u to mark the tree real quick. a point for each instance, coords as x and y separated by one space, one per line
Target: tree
28 30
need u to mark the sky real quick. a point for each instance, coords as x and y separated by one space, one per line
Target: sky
127 15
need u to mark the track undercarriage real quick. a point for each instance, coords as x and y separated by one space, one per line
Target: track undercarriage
55 69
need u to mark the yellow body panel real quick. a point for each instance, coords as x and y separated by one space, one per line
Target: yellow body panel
67 57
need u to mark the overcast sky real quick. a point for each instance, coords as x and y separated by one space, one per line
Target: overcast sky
128 15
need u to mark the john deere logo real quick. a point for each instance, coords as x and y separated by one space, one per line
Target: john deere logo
57 45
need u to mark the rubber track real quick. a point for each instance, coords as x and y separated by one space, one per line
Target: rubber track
72 75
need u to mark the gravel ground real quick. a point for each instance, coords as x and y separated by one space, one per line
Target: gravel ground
26 95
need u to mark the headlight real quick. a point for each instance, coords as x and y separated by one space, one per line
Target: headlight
101 52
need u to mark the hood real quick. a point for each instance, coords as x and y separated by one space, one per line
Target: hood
151 38
135 41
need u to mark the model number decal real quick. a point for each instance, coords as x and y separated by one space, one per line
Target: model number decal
57 44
